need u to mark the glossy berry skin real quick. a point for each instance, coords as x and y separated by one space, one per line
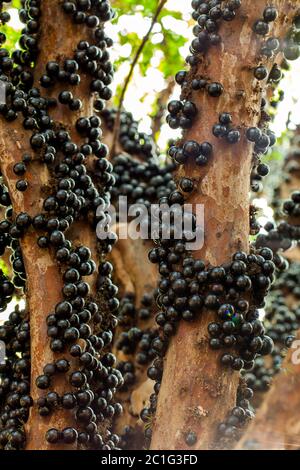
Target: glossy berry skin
273 44
52 68
23 220
68 401
65 97
292 52
201 160
237 364
233 136
225 119
263 170
219 130
186 185
174 107
37 141
192 149
228 15
215 90
191 438
253 134
275 74
227 360
270 14
43 382
19 169
198 84
77 379
261 73
21 185
261 28
180 77
189 109
206 149
69 435
263 142
234 4
53 436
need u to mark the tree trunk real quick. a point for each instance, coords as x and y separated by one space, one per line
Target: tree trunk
58 40
134 275
196 392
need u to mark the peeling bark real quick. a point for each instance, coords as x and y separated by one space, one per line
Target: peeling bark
194 384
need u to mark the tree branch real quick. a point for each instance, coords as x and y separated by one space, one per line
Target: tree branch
127 81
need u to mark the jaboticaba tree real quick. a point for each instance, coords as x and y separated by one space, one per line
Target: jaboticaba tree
209 299
55 174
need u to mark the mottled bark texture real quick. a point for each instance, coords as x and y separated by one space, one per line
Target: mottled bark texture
58 40
196 392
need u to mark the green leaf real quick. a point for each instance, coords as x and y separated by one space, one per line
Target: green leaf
146 7
16 4
3 267
12 37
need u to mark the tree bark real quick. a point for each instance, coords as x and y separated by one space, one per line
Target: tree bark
196 392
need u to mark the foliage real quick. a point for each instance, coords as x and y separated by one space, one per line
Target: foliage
167 46
3 267
12 37
280 149
16 4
